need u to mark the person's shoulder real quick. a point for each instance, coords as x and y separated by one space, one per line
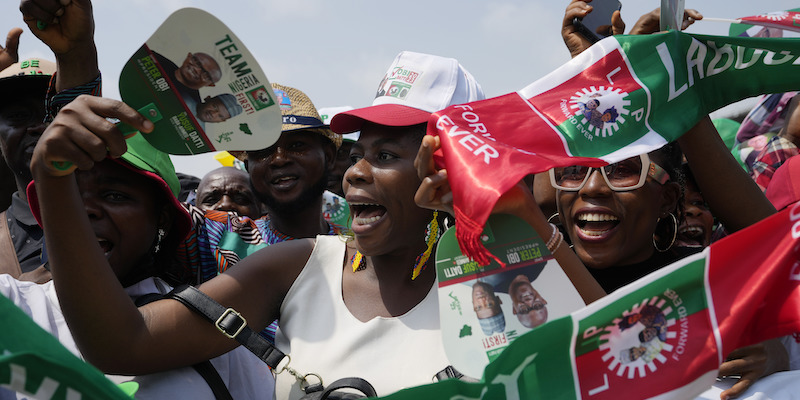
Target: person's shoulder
160 58
285 254
24 292
278 263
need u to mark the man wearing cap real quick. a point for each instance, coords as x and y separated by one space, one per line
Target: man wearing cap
218 108
288 177
8 56
31 97
486 305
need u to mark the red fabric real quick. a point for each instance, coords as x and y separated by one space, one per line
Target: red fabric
784 187
490 160
696 357
756 293
789 20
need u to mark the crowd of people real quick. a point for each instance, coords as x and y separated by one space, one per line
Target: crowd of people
355 299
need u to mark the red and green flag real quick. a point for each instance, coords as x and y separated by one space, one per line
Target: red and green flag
788 20
771 24
624 96
663 336
33 362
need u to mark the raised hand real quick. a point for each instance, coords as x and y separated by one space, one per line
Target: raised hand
434 192
650 22
575 41
9 54
82 135
68 24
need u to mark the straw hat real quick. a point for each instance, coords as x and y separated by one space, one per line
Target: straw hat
298 114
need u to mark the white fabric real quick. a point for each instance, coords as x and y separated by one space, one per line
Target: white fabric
792 345
323 337
327 114
244 374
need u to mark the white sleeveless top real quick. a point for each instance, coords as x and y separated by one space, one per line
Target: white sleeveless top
321 335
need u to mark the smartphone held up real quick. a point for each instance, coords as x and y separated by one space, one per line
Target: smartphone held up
596 25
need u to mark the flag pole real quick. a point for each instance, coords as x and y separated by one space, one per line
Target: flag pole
726 20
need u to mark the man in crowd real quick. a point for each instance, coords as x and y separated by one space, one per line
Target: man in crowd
228 189
22 121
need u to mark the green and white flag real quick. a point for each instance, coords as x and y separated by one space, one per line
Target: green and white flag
33 362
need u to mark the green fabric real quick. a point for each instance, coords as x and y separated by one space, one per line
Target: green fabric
727 129
33 362
233 242
142 155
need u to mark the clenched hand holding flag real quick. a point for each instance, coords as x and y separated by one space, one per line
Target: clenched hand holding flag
624 96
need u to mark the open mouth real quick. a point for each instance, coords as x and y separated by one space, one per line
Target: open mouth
691 236
106 246
595 224
283 182
367 213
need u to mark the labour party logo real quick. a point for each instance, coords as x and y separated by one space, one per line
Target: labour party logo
638 341
601 110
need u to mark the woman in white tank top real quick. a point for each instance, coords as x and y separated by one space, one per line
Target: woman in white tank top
365 308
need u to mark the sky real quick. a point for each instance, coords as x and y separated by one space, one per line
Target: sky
337 51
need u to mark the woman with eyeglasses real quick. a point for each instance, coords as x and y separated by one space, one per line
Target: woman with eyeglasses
620 218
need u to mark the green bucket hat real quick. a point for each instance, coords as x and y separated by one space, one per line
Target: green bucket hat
146 160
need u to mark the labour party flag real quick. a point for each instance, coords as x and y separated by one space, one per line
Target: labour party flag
34 363
624 96
663 336
769 24
789 20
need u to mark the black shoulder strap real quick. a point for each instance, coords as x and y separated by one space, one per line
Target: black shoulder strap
451 373
359 384
204 368
211 376
229 322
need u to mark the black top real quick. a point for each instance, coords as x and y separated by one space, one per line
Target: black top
613 278
26 234
190 96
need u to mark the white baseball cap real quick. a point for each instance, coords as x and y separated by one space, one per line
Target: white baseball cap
415 86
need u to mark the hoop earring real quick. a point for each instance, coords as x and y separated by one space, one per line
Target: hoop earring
674 234
159 238
552 217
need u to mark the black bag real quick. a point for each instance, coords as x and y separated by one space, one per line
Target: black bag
317 392
234 326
